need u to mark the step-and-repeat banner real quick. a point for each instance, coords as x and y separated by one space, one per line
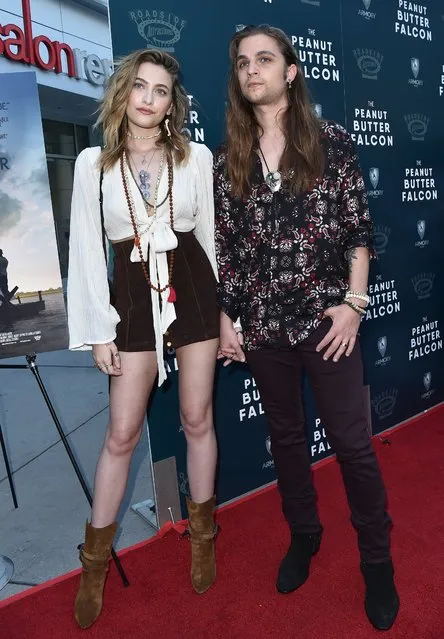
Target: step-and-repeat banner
376 67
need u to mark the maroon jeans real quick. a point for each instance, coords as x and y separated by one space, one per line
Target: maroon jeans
339 396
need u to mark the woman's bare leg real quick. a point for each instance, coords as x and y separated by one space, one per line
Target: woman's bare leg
196 384
128 403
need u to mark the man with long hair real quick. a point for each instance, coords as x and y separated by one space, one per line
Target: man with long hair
293 236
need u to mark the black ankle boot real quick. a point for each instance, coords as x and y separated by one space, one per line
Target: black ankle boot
381 598
295 566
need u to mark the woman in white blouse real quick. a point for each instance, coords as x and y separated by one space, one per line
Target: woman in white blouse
158 212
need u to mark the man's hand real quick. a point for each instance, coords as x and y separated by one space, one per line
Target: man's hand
231 342
341 337
107 359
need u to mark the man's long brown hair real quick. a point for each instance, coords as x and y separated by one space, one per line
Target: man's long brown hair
303 159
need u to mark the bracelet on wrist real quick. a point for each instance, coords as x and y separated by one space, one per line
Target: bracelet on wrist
357 296
356 308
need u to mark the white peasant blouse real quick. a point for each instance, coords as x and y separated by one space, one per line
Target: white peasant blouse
91 317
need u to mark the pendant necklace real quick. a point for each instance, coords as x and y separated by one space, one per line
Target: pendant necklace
273 179
145 176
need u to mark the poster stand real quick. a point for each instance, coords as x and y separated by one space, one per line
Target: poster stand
32 366
8 468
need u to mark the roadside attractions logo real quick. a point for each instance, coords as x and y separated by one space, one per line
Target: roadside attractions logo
160 29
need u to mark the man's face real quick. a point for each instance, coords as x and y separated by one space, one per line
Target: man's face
262 71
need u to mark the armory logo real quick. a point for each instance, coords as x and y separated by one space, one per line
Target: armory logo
373 175
421 228
269 464
427 382
423 285
417 124
382 348
425 339
381 236
384 403
160 29
369 61
365 13
414 65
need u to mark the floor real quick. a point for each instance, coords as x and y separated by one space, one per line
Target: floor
42 535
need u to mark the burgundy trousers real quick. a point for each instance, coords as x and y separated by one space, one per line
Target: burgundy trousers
339 395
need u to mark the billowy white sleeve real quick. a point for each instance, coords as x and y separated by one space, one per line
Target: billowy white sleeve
91 317
204 229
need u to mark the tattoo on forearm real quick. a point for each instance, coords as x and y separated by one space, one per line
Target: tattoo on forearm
351 255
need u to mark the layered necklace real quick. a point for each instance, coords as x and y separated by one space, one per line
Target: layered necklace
124 170
273 179
142 172
144 176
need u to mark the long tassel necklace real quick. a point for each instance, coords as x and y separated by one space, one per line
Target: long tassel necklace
123 165
273 179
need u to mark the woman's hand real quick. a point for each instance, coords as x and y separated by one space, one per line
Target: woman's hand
231 342
107 359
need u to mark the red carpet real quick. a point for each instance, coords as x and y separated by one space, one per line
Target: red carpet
244 604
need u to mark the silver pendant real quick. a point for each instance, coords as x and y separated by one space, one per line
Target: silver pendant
274 180
145 183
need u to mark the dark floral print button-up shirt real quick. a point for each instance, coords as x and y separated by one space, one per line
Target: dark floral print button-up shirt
281 258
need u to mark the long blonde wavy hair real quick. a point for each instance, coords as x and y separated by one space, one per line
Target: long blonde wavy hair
112 110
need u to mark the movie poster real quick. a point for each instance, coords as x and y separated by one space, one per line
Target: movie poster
32 308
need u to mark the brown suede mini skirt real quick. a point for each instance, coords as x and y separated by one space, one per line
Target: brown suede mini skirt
197 312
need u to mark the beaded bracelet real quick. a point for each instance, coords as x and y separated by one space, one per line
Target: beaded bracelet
356 308
356 295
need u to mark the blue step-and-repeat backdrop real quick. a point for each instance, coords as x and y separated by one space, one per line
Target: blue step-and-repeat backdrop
376 67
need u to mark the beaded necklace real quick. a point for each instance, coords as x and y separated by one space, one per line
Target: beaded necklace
124 172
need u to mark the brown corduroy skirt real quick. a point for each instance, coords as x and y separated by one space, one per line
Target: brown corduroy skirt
197 312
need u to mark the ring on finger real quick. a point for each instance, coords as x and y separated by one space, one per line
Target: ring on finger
116 355
344 344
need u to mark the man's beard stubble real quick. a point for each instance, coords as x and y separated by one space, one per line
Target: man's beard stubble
267 98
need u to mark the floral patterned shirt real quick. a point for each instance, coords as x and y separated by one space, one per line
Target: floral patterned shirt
281 258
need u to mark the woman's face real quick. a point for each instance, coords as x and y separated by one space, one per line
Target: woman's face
151 96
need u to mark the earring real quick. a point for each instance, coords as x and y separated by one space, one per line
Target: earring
167 127
289 84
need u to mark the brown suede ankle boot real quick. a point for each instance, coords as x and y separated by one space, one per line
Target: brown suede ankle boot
203 530
94 555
